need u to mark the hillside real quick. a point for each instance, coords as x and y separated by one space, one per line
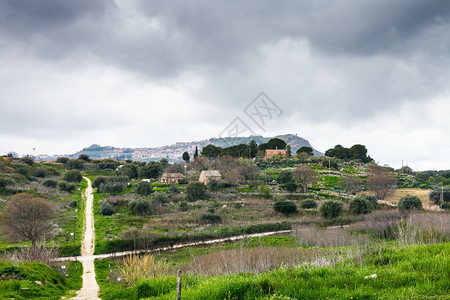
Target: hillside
174 152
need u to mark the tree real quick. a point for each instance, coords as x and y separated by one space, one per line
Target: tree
129 170
305 175
360 206
381 181
72 164
140 207
196 153
73 176
284 176
98 182
27 217
196 191
252 149
211 151
84 157
275 143
186 157
330 209
151 170
62 160
144 188
106 209
288 151
233 177
213 185
305 149
409 202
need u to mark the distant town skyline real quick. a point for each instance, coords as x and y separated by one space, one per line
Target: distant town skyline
152 73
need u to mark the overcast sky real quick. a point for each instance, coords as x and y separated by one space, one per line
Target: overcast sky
150 73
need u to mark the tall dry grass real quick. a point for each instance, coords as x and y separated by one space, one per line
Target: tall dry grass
424 228
134 267
252 260
311 236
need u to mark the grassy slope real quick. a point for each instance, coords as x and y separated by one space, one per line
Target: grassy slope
402 272
38 281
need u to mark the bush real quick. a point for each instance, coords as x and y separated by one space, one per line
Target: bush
173 189
50 183
73 164
265 192
28 160
140 207
73 176
67 186
184 206
360 205
284 176
40 173
291 187
62 160
372 199
285 207
330 209
160 198
98 181
106 209
196 191
409 202
308 203
5 182
210 218
73 204
144 188
112 187
84 157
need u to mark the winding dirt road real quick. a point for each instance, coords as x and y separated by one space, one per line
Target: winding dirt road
90 287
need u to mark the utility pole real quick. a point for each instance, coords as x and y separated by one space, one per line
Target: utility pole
179 285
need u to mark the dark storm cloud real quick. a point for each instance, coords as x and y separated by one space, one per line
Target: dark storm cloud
218 36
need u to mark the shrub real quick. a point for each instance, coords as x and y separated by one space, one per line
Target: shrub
106 209
5 182
144 188
265 192
28 160
160 198
291 187
173 189
73 204
155 286
284 176
62 160
75 164
84 157
360 206
196 191
372 199
67 186
140 207
73 176
50 183
184 206
22 171
308 203
285 207
409 202
210 218
112 187
98 181
330 209
40 173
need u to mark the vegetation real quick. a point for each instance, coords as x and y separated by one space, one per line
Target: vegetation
26 217
409 202
330 209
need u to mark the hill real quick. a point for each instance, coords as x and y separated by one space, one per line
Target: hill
174 152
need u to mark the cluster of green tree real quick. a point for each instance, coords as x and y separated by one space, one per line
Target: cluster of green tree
249 150
433 177
142 170
353 153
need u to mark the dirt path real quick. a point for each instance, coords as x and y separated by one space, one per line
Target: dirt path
90 287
